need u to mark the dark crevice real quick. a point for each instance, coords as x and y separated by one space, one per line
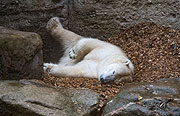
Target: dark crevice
44 105
7 109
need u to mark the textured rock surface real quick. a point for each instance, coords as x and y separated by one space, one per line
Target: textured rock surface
20 55
161 98
95 18
104 18
28 98
32 15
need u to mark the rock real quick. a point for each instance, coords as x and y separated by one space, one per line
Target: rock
104 18
161 98
29 98
20 55
32 16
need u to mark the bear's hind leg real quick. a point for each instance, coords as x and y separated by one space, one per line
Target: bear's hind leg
67 38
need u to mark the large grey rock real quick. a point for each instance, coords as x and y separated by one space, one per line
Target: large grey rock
20 55
32 16
105 18
161 98
28 98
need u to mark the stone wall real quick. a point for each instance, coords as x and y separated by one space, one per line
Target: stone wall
95 18
104 18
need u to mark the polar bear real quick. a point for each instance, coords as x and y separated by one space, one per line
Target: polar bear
88 57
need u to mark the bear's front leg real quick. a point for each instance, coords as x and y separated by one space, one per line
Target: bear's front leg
80 49
85 68
48 66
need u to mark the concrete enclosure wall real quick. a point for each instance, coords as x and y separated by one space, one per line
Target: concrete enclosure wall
96 18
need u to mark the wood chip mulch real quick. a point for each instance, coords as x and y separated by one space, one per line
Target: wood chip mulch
153 49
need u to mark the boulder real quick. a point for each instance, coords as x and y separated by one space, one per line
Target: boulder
32 16
161 98
20 55
31 98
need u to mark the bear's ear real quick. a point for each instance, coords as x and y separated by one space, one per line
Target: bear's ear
127 63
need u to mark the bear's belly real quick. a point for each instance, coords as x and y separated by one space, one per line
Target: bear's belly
99 54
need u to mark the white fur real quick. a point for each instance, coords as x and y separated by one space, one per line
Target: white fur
88 57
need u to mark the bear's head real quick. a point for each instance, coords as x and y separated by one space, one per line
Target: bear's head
114 71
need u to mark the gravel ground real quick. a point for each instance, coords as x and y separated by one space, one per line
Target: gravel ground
153 49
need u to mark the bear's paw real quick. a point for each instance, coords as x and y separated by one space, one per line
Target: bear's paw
72 54
47 67
53 23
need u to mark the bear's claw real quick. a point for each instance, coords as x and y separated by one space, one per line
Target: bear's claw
72 54
47 67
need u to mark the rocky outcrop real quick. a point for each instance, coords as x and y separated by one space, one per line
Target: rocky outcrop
20 55
33 98
29 98
161 98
